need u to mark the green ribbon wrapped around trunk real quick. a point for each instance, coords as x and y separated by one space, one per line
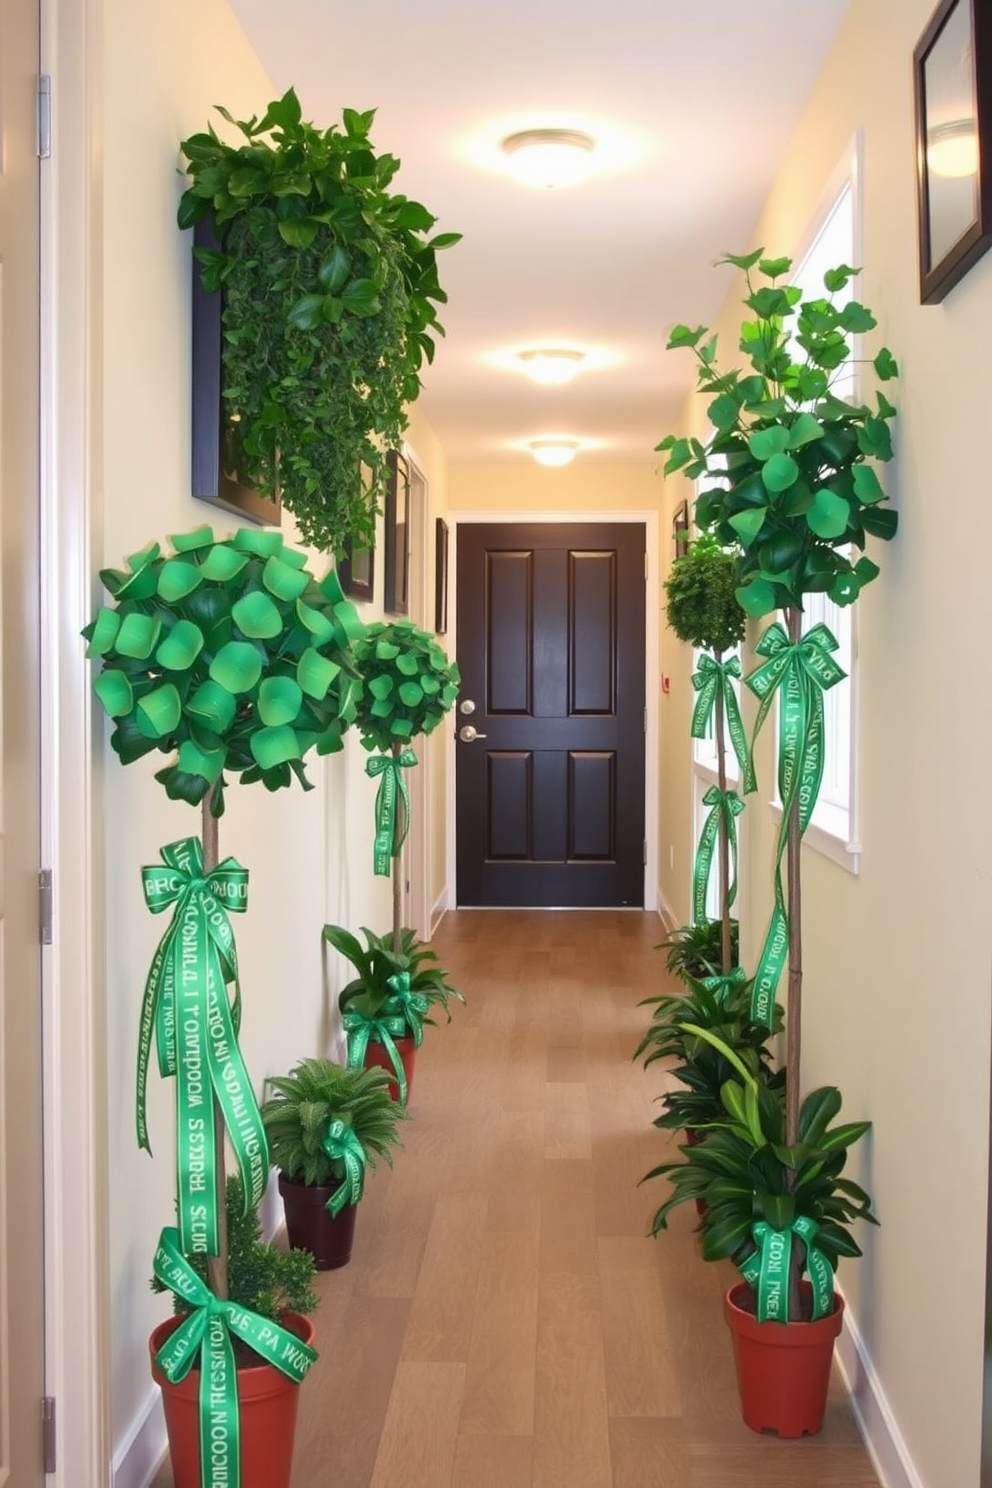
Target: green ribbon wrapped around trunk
709 678
207 1332
767 1270
390 767
725 806
195 1027
341 1145
802 673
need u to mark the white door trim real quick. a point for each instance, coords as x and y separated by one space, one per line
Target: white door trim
77 1353
649 518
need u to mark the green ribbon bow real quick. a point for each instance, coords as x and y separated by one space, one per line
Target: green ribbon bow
802 672
712 677
207 1332
725 806
342 1145
724 985
767 1270
390 767
185 1002
412 1006
384 1029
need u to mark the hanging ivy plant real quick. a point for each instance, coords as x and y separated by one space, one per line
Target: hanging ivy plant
229 655
330 291
408 684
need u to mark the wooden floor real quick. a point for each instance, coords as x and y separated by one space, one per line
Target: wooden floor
504 1321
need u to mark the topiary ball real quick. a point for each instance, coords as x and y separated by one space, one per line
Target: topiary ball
229 652
408 684
700 601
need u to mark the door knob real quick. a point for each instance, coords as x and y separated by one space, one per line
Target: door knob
466 706
468 734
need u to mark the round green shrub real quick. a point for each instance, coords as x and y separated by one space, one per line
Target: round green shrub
700 601
408 684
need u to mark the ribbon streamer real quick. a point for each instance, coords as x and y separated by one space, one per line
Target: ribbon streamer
390 767
712 677
725 806
341 1145
803 672
767 1270
207 1332
186 1004
385 1029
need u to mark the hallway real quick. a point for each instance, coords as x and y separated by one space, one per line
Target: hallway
504 1322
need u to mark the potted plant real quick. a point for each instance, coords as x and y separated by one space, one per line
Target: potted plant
230 658
702 609
799 491
270 1294
330 288
384 1008
697 950
326 1126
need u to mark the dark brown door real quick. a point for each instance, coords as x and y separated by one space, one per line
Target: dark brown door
550 795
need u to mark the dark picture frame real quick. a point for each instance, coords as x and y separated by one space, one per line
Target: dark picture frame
440 576
211 429
396 542
680 529
356 570
952 79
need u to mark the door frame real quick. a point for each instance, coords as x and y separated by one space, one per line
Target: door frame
649 519
416 853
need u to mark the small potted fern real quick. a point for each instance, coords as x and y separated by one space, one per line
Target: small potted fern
326 1126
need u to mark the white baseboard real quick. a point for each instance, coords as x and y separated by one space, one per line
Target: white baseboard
438 911
883 1439
665 914
140 1454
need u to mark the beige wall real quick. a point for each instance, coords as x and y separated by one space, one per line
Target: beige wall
896 1018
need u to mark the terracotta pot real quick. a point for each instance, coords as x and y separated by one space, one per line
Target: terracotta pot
311 1226
377 1054
783 1369
267 1406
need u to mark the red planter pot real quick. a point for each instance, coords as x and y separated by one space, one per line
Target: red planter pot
377 1054
310 1225
783 1369
267 1406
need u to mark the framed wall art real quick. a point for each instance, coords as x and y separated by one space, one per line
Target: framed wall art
397 536
214 463
952 73
680 529
440 576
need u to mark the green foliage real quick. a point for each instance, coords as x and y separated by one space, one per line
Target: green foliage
743 1173
695 951
315 1093
700 598
260 1277
794 458
229 652
408 684
701 1067
377 962
330 292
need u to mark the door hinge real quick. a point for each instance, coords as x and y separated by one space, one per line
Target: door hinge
45 895
48 1433
645 852
645 566
44 117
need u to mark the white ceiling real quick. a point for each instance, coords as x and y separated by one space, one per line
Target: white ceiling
693 102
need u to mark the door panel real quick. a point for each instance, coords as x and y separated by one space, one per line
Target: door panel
550 795
21 1239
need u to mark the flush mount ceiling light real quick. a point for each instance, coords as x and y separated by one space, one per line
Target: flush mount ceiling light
549 157
553 451
551 365
952 149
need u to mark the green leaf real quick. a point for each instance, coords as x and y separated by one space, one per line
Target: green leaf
299 233
181 647
103 631
885 365
315 673
756 598
285 580
856 319
159 711
257 616
765 443
274 746
192 760
779 473
360 298
805 429
411 694
212 706
279 700
845 589
335 270
114 691
774 268
682 335
748 523
177 579
742 260
879 521
222 564
829 515
138 636
866 484
836 279
236 667
192 542
723 412
307 313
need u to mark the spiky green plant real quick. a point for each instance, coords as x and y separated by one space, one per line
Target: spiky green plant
377 963
313 1095
694 950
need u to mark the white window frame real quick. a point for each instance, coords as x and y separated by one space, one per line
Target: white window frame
834 828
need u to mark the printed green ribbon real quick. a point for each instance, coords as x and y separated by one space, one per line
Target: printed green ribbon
725 806
712 677
390 767
802 672
341 1145
384 1028
207 1332
724 985
186 1004
767 1270
412 1006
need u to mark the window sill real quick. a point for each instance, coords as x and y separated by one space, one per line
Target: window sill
832 844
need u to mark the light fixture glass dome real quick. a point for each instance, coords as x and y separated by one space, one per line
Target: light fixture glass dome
952 149
549 157
551 365
553 451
